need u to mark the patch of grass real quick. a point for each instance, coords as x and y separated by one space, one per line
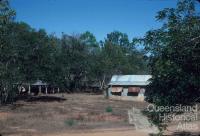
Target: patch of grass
109 109
70 122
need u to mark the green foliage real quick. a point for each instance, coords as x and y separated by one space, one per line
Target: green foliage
73 59
109 109
6 13
173 52
154 118
70 62
70 122
8 71
174 58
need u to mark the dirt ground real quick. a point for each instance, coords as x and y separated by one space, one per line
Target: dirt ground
69 115
63 113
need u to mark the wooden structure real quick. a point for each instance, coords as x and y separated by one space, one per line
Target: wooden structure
38 86
128 87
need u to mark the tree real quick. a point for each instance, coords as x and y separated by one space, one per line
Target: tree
73 59
174 57
27 55
7 56
69 62
6 13
118 56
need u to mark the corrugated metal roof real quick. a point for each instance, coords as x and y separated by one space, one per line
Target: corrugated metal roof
130 80
39 82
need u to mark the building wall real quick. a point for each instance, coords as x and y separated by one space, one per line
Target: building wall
124 94
125 91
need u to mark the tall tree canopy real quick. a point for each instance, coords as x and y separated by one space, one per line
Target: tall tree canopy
7 54
69 62
174 56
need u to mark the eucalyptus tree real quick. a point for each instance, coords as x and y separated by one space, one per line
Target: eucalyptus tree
174 62
174 58
7 56
73 60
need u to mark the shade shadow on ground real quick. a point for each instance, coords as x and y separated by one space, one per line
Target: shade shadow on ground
45 99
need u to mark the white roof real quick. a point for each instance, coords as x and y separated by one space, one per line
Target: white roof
39 82
130 80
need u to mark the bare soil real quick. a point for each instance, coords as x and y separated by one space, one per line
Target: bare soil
70 115
63 113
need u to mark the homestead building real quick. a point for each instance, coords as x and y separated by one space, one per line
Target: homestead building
128 87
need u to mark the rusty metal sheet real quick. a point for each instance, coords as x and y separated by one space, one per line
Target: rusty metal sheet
117 89
134 89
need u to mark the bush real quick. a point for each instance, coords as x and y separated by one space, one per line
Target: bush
70 122
109 109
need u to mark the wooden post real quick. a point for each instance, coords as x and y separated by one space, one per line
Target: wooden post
40 90
53 91
58 90
29 89
46 90
110 91
19 89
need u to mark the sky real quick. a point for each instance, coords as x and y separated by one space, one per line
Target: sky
134 17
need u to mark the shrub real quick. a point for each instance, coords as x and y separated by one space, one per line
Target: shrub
109 109
70 122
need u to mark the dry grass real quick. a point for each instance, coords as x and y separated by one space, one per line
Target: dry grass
77 112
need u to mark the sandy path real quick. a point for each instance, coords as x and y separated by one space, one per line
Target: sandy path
126 133
107 132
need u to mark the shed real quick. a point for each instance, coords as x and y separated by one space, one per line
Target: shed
40 84
130 87
37 87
